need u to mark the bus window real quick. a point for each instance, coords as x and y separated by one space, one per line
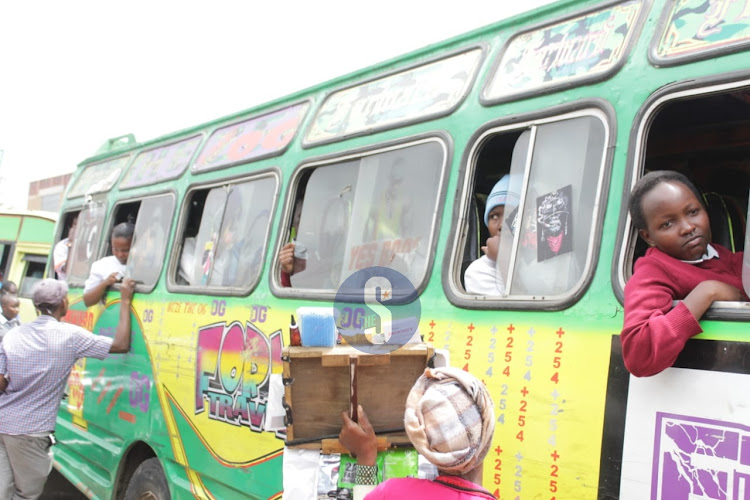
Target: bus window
700 133
7 249
32 273
226 231
85 249
376 210
61 251
150 240
555 170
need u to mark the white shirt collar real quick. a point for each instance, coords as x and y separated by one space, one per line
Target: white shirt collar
711 253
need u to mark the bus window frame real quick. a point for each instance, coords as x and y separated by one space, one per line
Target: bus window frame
97 160
59 230
29 258
711 53
442 137
597 108
250 117
11 252
635 36
155 145
176 249
109 226
627 235
101 244
484 49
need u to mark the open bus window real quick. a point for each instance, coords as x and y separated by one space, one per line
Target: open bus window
149 243
376 210
701 133
6 249
547 239
61 250
85 248
226 231
33 272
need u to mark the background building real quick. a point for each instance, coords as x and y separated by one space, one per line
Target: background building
47 194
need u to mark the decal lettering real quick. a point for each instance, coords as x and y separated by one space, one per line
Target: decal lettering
232 372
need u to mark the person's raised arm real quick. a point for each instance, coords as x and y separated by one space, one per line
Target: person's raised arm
121 342
96 293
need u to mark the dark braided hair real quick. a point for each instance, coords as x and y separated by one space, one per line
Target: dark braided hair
649 182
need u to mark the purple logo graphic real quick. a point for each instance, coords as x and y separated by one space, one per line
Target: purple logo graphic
377 310
697 458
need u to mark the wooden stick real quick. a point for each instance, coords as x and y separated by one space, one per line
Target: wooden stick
353 361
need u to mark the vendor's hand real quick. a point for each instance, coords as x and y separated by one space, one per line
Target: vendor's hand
126 289
286 258
490 249
359 438
113 278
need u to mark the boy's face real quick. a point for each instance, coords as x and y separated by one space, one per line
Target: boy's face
121 249
676 222
495 220
10 308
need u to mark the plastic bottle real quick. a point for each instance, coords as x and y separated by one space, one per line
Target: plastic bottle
294 337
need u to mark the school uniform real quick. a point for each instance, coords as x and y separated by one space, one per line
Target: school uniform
654 333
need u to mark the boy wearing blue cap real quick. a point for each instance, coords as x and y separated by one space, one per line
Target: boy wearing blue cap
481 277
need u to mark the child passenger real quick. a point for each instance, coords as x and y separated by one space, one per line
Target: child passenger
681 265
109 270
481 277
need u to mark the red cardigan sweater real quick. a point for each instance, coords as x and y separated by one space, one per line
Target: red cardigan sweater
654 333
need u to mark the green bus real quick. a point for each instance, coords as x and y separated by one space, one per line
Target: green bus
25 241
390 167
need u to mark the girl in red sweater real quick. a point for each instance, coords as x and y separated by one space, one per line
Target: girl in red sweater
681 264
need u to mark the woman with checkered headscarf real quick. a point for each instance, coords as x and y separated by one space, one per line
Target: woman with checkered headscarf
450 420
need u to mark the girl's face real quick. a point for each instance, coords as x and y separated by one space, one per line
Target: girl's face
121 249
676 222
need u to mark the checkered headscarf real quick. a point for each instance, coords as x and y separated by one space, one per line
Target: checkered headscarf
450 419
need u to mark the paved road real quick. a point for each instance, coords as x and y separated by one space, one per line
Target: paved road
58 488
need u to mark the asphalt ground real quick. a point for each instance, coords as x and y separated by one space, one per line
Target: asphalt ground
58 488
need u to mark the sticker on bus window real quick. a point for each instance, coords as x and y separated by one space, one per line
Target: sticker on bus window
695 29
98 177
587 47
426 91
160 164
258 137
554 224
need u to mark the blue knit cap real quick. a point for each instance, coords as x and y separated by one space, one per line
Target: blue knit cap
498 196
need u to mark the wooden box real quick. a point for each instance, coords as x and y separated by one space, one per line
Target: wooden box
317 389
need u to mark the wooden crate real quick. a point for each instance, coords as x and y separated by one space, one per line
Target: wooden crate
317 389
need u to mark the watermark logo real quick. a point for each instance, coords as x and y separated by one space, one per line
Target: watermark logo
377 310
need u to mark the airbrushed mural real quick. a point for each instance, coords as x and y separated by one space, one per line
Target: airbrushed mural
232 370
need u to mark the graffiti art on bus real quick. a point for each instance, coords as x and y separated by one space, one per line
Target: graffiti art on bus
233 369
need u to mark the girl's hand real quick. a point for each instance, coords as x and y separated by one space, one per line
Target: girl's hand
706 293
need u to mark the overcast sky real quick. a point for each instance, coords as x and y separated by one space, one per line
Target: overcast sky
75 73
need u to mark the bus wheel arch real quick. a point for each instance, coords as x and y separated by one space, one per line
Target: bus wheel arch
148 482
138 453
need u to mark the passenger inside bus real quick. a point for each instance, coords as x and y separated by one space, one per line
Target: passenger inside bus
109 270
681 264
62 249
481 277
293 258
